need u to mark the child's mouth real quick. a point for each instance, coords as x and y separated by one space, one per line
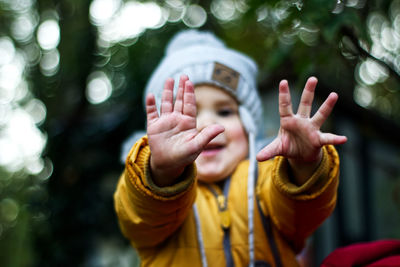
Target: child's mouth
211 150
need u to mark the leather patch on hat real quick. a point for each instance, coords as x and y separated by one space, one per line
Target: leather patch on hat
225 75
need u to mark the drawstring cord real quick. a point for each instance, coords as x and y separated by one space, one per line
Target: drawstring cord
200 237
251 182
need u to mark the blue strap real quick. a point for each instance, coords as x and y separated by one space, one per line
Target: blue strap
226 240
227 249
267 229
268 232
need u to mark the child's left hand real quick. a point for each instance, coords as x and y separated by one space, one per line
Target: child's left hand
299 138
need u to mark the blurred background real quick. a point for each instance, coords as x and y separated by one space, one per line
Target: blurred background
72 75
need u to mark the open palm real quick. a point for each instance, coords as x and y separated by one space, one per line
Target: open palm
299 136
173 137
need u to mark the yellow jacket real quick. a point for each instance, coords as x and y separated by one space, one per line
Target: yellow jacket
161 225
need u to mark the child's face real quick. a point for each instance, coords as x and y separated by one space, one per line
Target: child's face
221 156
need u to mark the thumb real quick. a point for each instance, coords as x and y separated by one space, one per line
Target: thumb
270 151
207 134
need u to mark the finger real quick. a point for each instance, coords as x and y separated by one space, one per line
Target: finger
179 95
151 108
183 80
332 139
167 96
271 150
285 102
307 97
207 134
189 100
324 110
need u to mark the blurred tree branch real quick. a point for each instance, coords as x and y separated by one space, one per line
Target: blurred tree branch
348 32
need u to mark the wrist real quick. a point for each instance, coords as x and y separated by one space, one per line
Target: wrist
309 161
302 169
164 176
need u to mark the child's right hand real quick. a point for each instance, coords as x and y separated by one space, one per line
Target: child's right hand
173 137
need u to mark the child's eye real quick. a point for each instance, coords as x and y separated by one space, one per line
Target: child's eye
225 112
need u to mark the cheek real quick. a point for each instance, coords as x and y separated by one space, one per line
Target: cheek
238 139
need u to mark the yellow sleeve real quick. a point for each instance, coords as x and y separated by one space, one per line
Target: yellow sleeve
298 211
149 214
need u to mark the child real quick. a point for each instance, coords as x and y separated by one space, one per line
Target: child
193 194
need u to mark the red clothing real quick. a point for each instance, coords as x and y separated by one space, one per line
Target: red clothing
371 254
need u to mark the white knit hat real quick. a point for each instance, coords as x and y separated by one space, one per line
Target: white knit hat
205 59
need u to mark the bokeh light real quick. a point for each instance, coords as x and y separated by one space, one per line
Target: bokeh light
23 26
223 10
9 209
11 77
48 34
37 110
21 142
120 22
46 171
101 11
7 50
363 96
195 16
271 17
99 88
309 34
371 74
50 62
175 10
32 54
390 39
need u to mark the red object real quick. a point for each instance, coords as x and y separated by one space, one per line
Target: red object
372 254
